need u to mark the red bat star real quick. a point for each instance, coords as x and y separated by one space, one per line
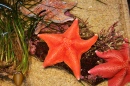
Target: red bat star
116 68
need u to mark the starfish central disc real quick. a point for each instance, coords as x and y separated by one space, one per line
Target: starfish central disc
67 43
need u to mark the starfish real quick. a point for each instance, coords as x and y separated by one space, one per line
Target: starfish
67 47
116 68
53 10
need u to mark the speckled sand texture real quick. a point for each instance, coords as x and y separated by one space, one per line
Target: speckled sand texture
99 16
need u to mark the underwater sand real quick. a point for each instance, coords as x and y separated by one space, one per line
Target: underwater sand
99 16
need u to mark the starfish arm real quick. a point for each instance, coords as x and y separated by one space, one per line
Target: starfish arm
110 55
32 12
125 51
54 56
73 31
60 4
117 79
56 10
126 80
51 39
61 18
69 5
40 26
106 70
84 45
26 12
37 9
51 3
72 60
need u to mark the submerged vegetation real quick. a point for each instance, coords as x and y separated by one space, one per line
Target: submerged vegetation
13 39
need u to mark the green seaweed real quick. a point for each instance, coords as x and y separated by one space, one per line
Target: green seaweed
13 37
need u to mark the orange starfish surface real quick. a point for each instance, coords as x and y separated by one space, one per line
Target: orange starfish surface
67 47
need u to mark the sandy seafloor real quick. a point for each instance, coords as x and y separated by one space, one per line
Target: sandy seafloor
99 16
